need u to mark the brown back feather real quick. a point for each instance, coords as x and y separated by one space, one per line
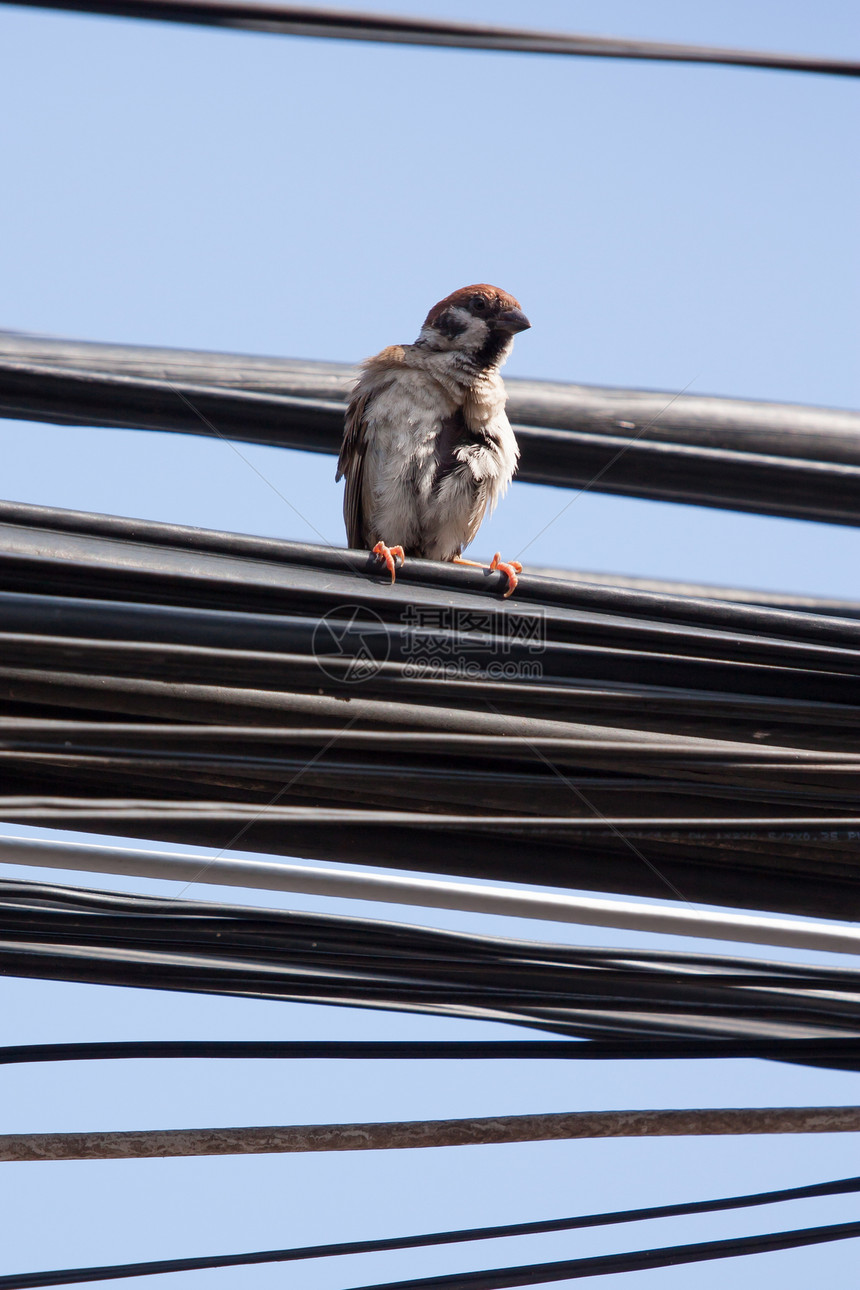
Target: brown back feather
351 464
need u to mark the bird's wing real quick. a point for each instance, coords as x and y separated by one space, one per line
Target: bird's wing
351 464
377 375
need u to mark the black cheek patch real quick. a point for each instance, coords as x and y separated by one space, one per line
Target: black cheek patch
493 348
449 325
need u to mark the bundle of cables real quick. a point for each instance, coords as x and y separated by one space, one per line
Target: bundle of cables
204 687
217 689
639 999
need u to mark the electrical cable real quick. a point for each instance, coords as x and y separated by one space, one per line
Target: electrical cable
636 1261
26 1280
429 893
72 934
734 480
838 1053
197 687
409 1135
772 458
302 20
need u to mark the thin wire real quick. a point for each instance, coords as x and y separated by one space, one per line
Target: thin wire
611 826
302 20
285 788
231 444
591 807
636 1261
620 453
250 823
28 1280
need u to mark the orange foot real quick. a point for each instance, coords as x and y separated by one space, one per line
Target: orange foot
386 555
510 568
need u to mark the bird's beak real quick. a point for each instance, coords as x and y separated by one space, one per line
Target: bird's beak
512 320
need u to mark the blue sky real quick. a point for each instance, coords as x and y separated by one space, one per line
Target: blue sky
663 226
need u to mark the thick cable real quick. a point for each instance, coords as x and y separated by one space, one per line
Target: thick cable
772 458
427 893
72 934
179 626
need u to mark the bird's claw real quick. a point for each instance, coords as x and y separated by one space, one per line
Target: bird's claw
510 568
386 554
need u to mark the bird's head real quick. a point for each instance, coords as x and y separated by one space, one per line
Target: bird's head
479 322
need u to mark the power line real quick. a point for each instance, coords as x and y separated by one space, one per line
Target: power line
638 1261
146 1144
182 684
103 937
301 20
428 893
770 458
834 1053
27 1280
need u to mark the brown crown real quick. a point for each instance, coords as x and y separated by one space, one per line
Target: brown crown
493 295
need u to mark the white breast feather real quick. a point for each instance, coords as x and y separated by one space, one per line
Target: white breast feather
404 419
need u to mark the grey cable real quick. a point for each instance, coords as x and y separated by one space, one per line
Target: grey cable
432 893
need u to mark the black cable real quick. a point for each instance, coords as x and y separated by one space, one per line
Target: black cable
32 364
792 863
23 1281
315 575
637 1261
838 1053
718 739
52 932
743 454
303 20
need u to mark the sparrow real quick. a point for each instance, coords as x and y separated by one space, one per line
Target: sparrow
427 449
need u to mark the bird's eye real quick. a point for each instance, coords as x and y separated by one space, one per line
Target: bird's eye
479 304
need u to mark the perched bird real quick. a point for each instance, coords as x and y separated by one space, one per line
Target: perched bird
427 448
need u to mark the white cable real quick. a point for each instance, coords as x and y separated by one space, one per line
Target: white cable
431 893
